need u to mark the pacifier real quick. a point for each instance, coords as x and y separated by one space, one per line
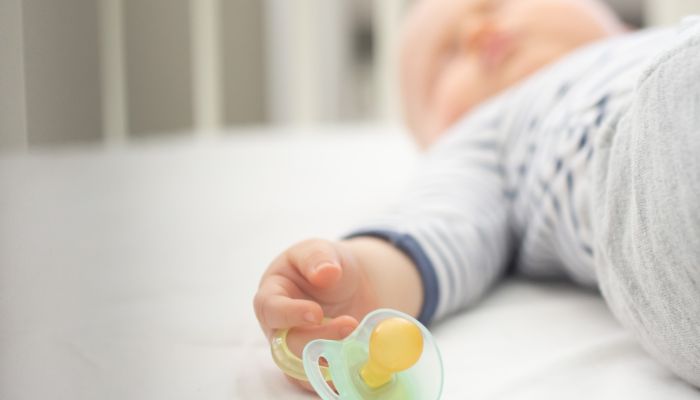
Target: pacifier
389 356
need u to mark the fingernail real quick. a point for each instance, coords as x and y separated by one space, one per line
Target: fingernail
324 265
309 317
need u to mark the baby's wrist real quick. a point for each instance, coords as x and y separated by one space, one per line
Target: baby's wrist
391 277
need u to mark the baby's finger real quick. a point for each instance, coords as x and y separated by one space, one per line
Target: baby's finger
318 261
276 308
281 312
335 329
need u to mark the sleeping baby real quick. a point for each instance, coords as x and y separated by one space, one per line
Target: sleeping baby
558 144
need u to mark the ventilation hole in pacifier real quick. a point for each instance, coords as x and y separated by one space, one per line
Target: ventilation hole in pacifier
322 362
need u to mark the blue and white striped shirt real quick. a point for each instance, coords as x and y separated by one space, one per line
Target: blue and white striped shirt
509 184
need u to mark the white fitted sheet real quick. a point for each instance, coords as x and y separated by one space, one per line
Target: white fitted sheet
129 274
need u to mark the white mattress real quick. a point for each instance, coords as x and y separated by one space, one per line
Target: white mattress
129 274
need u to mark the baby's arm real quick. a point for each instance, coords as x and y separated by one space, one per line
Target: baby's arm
454 220
391 274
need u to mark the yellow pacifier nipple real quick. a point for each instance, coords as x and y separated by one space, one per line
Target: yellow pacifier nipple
395 345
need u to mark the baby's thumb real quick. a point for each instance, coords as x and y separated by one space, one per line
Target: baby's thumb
318 261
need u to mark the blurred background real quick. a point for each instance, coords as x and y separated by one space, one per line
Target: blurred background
112 71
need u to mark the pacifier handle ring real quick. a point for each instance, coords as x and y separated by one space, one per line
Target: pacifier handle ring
287 361
312 353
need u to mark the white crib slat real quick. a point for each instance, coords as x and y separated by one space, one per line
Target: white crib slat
387 15
114 100
292 56
206 65
666 12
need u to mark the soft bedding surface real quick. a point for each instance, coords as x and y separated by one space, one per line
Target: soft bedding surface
129 273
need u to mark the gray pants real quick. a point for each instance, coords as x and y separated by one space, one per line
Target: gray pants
646 209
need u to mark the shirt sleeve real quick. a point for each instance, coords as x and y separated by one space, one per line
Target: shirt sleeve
453 219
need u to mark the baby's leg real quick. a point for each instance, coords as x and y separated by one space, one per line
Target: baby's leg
647 210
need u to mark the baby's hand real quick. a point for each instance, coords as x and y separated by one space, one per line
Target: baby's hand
312 280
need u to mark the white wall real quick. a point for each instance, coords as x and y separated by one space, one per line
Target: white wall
243 61
158 67
13 129
49 72
62 71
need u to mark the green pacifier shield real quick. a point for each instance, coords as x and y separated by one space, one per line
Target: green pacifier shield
390 356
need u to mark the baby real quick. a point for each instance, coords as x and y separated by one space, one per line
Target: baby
558 144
